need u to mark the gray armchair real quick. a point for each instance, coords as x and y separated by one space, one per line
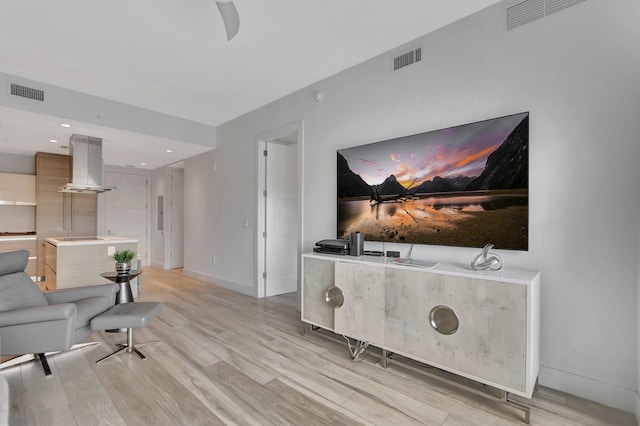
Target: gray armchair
35 322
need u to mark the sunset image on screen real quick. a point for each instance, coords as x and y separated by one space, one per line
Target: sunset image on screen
462 186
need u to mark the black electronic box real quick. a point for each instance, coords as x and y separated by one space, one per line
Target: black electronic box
332 247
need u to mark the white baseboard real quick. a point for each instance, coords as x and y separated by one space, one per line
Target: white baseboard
591 389
249 291
157 264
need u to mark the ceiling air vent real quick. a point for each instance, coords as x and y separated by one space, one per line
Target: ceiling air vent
553 6
532 10
27 92
407 59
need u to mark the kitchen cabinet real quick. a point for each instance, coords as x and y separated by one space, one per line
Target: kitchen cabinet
21 243
51 264
53 164
17 189
80 262
60 214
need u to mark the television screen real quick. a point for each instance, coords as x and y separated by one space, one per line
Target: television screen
463 186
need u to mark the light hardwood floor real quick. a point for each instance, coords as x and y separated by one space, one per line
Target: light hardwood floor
218 357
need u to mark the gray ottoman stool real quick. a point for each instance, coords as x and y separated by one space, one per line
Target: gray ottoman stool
126 315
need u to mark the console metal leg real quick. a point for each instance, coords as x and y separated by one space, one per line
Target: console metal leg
384 358
525 408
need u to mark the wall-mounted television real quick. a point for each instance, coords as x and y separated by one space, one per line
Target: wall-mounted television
464 186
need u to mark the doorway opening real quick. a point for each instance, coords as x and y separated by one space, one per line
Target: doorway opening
279 230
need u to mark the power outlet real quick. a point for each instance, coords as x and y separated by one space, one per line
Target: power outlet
111 250
213 260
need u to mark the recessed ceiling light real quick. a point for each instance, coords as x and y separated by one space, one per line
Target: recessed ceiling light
66 125
143 164
53 141
169 150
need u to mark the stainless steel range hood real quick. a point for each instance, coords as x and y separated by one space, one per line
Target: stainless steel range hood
86 160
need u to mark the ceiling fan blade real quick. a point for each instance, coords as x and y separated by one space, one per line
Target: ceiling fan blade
230 17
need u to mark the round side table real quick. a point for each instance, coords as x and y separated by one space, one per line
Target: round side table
125 295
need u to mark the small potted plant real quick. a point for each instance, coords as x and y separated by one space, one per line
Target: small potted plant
123 260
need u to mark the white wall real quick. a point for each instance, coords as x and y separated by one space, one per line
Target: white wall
217 197
576 72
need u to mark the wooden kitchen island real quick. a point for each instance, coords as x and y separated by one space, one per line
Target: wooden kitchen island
79 261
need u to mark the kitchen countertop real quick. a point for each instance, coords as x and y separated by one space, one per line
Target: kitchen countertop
10 236
83 241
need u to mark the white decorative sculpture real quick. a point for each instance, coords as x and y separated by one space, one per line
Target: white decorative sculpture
484 261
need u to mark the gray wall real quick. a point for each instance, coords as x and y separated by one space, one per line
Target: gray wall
576 73
15 163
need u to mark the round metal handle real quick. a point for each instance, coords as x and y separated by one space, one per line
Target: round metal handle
444 320
334 297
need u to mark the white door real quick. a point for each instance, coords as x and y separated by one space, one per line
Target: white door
176 240
282 219
126 208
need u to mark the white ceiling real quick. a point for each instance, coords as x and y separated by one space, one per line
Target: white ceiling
173 57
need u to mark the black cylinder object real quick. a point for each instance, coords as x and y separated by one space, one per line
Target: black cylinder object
356 244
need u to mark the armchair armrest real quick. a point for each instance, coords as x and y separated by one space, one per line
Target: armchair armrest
65 311
74 294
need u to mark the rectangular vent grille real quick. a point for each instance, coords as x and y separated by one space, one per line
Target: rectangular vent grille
532 10
407 59
27 92
554 6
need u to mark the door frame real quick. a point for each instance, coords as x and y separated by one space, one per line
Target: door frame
260 208
170 217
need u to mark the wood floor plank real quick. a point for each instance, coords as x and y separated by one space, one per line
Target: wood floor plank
89 401
134 401
328 413
381 414
180 405
331 389
206 390
188 347
18 395
275 408
250 366
46 401
228 319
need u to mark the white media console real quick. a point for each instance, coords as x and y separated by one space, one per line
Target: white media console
480 325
